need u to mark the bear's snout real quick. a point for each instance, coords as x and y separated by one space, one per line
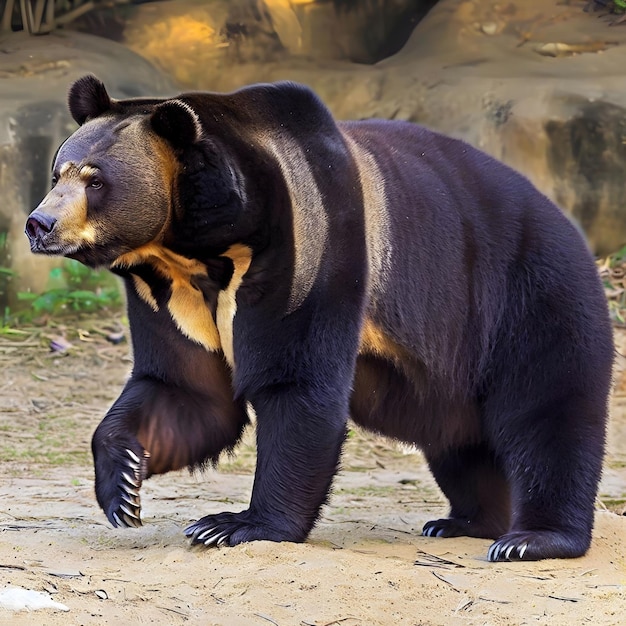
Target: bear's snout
38 226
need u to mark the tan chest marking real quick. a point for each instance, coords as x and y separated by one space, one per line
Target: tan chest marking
310 222
144 292
186 304
376 216
241 257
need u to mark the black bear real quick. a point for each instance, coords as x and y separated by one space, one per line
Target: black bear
319 270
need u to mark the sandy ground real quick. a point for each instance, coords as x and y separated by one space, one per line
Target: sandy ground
365 563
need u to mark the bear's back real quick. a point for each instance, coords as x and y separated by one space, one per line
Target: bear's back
472 247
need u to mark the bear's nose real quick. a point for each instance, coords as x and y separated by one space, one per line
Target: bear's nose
39 225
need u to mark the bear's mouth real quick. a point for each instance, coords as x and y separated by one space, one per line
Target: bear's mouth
48 247
85 255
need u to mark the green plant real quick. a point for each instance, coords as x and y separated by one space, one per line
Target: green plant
613 274
73 288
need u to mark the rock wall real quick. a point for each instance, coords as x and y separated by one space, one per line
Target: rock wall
540 85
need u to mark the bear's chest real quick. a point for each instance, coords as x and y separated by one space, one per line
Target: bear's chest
202 311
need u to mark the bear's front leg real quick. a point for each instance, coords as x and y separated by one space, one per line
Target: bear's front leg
155 427
177 410
299 440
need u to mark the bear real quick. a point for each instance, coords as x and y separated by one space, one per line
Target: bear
319 271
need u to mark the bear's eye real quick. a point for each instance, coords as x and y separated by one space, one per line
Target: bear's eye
55 179
95 183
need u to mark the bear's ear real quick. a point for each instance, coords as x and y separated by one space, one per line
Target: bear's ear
88 98
177 122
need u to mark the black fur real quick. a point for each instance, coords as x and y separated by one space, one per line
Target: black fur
205 188
87 99
173 122
464 316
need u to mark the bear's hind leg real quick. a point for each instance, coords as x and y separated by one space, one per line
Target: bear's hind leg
553 462
478 493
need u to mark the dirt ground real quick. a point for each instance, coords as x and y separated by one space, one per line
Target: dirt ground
365 563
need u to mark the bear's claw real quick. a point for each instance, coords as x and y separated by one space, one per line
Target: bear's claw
231 529
507 550
440 528
125 511
533 545
213 530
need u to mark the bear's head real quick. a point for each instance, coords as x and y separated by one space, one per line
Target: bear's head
135 172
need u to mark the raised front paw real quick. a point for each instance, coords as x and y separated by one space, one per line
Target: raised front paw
230 529
118 480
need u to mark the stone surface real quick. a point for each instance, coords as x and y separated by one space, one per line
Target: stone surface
561 119
35 73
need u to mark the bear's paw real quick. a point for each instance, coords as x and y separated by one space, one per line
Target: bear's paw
231 529
529 545
461 527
